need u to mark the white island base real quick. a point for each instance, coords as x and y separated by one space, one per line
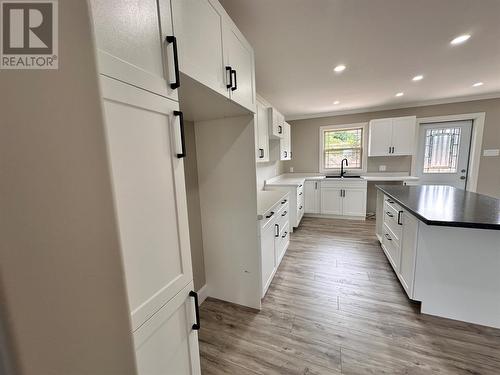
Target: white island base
457 273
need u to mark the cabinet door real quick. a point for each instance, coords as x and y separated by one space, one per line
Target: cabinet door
129 46
331 201
380 137
408 251
198 28
239 56
150 195
354 202
262 133
403 135
276 121
166 343
285 142
312 197
268 256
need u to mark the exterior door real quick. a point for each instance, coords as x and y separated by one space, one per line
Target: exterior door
150 196
443 153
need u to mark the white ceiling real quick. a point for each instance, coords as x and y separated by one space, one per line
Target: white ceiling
384 43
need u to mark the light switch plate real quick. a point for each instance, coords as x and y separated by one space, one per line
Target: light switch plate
291 169
382 168
493 152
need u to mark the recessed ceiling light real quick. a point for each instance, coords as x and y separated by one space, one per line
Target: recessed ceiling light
477 84
336 102
339 68
460 39
400 94
418 78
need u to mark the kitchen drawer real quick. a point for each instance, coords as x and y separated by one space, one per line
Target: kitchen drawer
283 216
300 212
391 247
392 218
271 214
392 203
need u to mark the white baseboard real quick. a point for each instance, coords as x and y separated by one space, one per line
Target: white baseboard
202 294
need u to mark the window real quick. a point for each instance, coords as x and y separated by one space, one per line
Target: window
344 142
441 150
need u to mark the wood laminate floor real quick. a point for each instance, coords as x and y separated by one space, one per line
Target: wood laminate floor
336 307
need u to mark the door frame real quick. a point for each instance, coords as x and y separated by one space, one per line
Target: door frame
475 145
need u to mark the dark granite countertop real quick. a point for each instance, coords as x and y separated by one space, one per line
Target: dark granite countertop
447 206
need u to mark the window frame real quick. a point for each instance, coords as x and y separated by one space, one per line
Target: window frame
364 146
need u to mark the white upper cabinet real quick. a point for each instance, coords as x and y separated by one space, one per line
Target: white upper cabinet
144 142
239 66
403 135
261 133
129 46
286 143
198 29
392 136
276 124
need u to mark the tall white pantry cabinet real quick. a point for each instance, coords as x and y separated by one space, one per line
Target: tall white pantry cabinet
144 131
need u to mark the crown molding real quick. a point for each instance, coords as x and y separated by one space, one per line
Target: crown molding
458 99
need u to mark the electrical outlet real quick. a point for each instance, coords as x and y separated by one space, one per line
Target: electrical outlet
382 168
291 169
493 152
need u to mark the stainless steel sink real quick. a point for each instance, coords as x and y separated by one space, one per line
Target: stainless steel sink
345 176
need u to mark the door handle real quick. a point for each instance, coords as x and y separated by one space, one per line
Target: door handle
196 326
277 227
280 129
285 153
399 218
235 87
172 39
229 74
183 139
261 153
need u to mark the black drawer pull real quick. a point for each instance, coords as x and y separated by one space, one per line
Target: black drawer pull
284 235
284 201
399 218
390 201
229 76
183 138
280 129
284 213
300 193
261 153
172 39
389 214
193 294
235 87
270 215
277 227
388 237
300 208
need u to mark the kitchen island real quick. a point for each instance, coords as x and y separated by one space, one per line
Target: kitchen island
444 245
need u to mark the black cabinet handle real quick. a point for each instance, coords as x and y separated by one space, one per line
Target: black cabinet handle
393 149
270 215
300 185
284 201
389 214
300 208
300 193
277 227
285 154
280 129
235 87
172 39
284 235
183 139
261 153
196 326
284 213
388 237
399 218
229 71
390 201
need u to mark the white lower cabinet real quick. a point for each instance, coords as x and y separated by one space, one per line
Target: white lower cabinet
312 197
274 240
398 237
167 343
343 198
145 149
